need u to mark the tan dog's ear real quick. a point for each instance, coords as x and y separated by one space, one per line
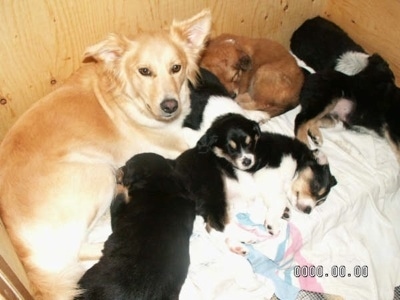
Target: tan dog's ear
192 35
107 50
194 31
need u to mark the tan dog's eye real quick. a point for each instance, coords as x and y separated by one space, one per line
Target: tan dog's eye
176 68
145 71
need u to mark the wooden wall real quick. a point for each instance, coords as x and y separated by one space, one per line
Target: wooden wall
42 41
374 24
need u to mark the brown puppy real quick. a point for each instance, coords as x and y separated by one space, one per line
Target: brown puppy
58 162
260 73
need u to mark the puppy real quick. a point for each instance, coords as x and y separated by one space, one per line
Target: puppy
207 86
286 172
322 44
259 73
147 255
349 85
212 165
209 100
58 162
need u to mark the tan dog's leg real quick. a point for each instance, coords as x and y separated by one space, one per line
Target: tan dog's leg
53 231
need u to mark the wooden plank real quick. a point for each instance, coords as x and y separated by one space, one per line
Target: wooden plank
373 24
42 41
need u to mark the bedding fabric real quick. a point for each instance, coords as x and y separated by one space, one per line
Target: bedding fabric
349 246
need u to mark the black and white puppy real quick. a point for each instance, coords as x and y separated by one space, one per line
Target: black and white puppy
321 44
210 100
236 162
147 254
286 172
210 169
349 85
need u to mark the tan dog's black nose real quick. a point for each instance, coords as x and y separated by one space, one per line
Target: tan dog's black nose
169 105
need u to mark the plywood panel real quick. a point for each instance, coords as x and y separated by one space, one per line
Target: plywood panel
374 24
42 41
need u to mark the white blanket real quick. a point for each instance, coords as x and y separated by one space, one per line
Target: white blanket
349 246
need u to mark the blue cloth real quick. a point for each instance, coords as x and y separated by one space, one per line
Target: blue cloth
267 267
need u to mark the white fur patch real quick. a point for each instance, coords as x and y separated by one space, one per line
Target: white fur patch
302 64
273 185
351 62
216 107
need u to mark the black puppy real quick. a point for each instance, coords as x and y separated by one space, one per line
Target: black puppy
320 43
207 85
349 85
227 146
147 255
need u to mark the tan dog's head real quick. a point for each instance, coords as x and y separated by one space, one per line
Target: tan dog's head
151 70
226 60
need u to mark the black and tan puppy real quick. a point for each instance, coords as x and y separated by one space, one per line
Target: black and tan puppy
147 255
226 148
349 85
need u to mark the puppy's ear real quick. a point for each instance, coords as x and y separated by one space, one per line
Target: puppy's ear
244 62
108 50
333 181
257 130
206 142
133 177
116 208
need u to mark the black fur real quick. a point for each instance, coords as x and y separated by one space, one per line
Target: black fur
319 43
373 91
273 147
208 85
375 96
147 255
203 171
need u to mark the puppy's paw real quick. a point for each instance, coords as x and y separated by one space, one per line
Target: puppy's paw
261 117
244 99
273 229
315 136
236 246
286 214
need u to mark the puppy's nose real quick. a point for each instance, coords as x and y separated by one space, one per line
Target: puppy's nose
246 161
233 95
307 209
169 105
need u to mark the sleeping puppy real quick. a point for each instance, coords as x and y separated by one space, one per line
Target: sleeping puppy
288 172
349 86
209 100
322 44
147 255
259 73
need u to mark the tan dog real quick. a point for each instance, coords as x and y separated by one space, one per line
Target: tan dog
58 162
260 73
